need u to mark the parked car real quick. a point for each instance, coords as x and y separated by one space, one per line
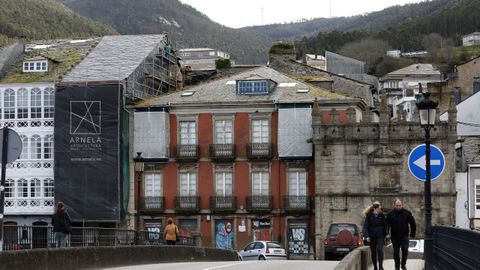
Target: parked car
341 239
414 245
263 250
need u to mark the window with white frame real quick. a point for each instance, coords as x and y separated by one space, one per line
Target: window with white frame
35 147
9 188
24 154
297 182
9 104
260 183
223 132
35 188
22 103
48 188
22 188
259 87
48 102
224 182
153 184
188 183
35 103
35 66
48 147
260 131
188 132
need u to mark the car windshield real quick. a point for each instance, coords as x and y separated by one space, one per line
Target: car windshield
336 228
273 245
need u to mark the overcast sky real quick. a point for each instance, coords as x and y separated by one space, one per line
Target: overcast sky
239 13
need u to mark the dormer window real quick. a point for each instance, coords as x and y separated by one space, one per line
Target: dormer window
35 65
253 87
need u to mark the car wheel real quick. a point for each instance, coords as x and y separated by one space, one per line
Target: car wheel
261 258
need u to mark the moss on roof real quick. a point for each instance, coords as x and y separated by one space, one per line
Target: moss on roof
63 59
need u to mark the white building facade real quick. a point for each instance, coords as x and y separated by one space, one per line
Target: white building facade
28 108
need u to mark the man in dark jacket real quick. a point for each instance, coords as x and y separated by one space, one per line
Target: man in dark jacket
398 221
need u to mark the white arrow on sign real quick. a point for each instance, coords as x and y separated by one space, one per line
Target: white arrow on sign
422 162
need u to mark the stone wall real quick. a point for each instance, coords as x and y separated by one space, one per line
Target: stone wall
471 149
358 163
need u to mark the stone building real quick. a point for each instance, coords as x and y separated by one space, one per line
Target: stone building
360 162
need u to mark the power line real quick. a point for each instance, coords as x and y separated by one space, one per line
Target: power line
468 124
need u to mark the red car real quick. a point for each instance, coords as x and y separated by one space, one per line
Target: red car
341 239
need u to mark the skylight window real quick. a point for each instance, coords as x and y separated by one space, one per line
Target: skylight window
284 84
187 94
256 87
304 90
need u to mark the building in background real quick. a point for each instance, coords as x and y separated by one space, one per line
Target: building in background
315 60
200 59
471 39
348 67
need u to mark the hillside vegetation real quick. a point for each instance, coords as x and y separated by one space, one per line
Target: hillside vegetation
184 25
46 19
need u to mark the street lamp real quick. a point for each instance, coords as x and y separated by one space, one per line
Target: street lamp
139 168
427 108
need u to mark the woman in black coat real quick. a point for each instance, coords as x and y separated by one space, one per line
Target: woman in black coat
375 231
61 225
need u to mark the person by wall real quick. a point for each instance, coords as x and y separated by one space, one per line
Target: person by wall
402 225
170 233
375 232
61 225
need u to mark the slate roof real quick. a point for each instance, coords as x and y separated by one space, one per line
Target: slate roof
223 91
114 58
416 69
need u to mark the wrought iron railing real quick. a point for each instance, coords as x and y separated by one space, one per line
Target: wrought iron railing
187 152
187 203
223 203
152 204
296 203
30 237
259 150
455 248
225 152
259 203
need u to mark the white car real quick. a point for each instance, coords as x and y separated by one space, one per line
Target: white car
414 245
263 250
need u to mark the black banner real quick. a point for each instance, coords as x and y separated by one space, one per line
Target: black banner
87 168
298 238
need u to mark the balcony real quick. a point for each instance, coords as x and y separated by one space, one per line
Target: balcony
259 151
296 204
223 204
187 204
259 203
222 152
152 204
187 152
29 206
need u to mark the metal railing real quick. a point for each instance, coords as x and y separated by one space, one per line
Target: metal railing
300 203
455 248
152 204
259 150
187 152
259 203
187 204
223 203
221 152
30 237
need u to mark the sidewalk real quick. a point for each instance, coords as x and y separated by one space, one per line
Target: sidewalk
412 264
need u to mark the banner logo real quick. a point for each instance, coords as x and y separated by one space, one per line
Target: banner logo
85 117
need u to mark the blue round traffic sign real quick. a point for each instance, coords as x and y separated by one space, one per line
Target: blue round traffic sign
417 163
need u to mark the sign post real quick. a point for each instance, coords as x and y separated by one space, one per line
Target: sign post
11 148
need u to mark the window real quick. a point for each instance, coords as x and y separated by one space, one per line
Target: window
48 188
9 104
223 132
22 190
36 103
48 147
477 194
153 184
260 131
22 103
48 102
35 147
223 183
35 66
24 154
188 184
188 132
297 183
252 87
35 188
9 188
260 183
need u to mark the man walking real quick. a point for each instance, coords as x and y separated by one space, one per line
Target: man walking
398 221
